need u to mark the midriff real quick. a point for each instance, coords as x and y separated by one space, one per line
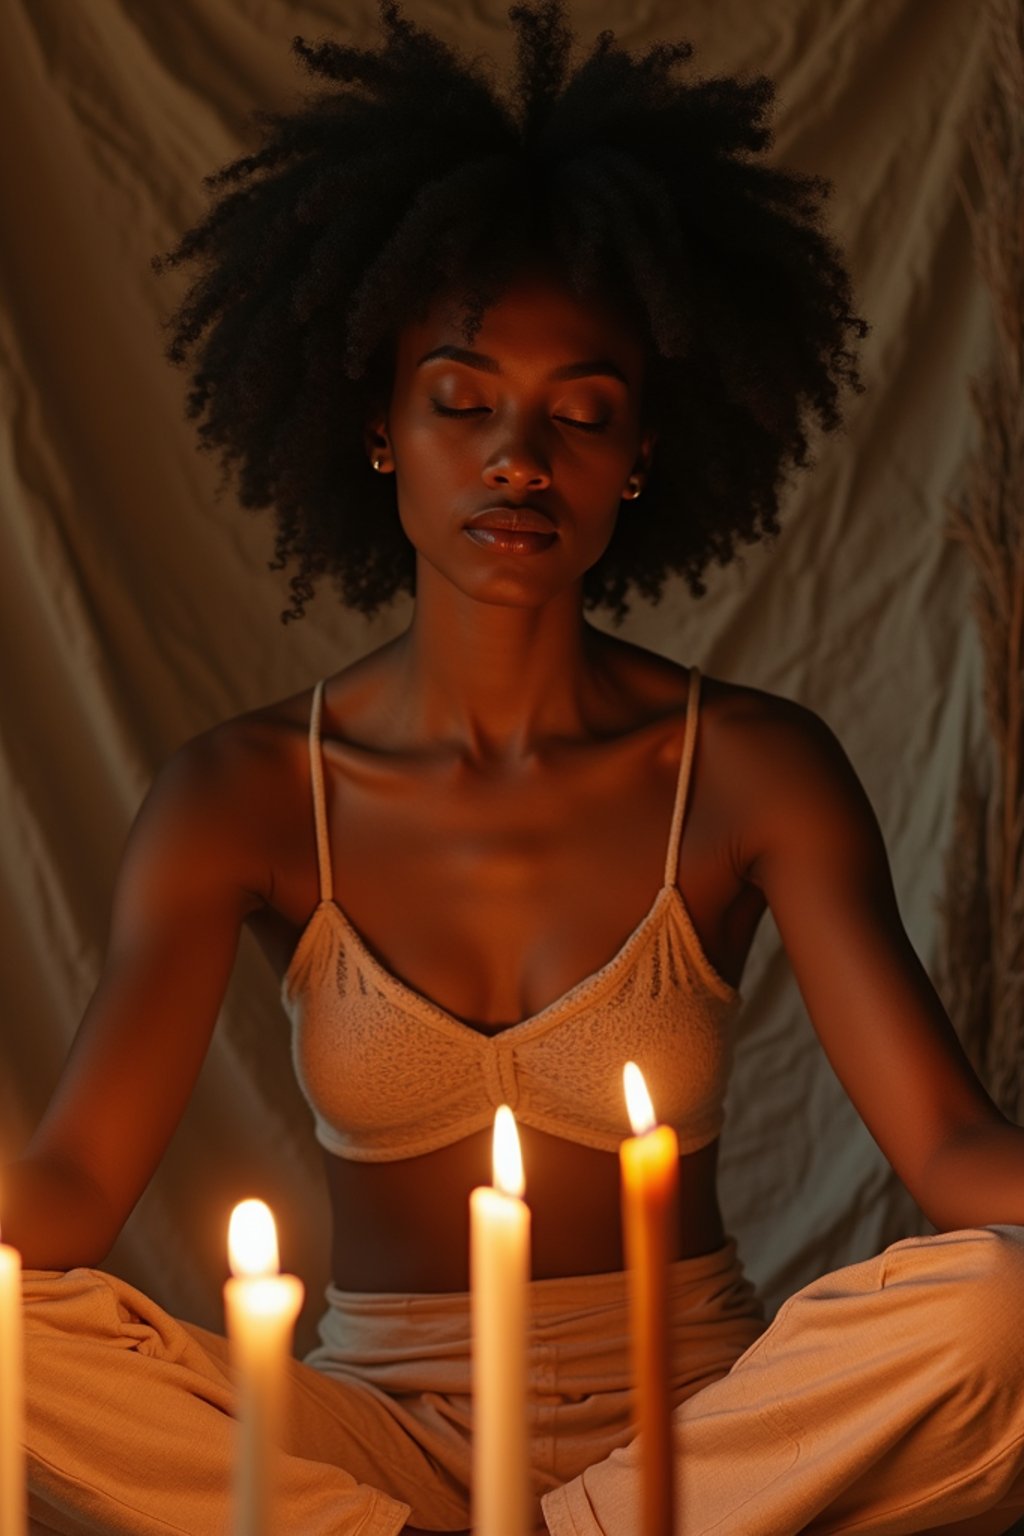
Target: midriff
404 1225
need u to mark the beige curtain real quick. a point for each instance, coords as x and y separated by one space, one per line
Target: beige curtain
135 613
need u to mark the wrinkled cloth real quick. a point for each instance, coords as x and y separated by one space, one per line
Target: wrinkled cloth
129 1410
885 1397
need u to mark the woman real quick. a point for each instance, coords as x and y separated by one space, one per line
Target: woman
575 347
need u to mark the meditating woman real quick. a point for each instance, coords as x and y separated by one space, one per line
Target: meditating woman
515 359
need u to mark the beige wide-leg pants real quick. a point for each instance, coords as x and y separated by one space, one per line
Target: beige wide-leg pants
887 1396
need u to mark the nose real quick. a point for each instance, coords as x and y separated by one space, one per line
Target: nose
519 468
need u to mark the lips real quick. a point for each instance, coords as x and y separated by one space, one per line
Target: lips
514 519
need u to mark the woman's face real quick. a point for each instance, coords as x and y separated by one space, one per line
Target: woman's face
567 445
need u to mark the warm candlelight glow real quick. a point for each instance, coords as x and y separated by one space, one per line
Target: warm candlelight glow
261 1306
650 1168
499 1276
507 1157
638 1100
252 1240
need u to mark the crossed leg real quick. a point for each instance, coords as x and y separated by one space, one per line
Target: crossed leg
886 1397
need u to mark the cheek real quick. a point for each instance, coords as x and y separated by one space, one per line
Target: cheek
431 463
426 513
427 475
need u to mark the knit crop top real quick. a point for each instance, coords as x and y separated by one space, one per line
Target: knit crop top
390 1074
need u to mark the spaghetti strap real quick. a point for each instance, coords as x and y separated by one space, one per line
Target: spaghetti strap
685 766
316 767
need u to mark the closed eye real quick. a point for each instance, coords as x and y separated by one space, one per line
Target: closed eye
584 426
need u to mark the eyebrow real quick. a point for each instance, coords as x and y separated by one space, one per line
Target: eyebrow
598 365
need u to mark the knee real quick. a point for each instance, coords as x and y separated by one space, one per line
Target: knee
992 1260
983 1302
55 1301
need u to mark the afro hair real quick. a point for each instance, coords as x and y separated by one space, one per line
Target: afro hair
378 192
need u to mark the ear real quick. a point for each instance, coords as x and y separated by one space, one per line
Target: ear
375 432
645 452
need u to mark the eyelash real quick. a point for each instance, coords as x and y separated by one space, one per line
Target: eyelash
584 426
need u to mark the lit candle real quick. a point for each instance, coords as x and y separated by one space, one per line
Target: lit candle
649 1161
261 1306
12 1403
499 1273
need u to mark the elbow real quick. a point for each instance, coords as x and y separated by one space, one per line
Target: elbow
55 1215
975 1178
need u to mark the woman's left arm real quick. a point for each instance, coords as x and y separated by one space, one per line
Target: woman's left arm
812 844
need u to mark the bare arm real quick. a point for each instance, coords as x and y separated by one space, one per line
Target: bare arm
188 876
814 847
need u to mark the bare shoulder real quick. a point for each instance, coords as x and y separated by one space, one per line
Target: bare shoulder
249 776
764 729
783 747
736 719
794 791
223 787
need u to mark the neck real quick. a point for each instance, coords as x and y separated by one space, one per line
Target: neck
496 681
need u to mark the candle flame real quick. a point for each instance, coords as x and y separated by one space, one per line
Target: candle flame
252 1240
638 1100
507 1158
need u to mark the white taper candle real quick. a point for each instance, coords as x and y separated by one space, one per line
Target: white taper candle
261 1306
499 1274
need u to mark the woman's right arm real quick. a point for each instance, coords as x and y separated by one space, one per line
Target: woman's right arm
190 873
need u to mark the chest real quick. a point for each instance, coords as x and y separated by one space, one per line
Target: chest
505 899
493 894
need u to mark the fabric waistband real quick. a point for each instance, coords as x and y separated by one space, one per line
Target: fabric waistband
414 1341
558 1294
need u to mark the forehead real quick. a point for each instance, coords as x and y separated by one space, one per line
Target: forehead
537 318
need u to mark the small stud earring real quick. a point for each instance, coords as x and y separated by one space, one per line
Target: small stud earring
376 463
633 490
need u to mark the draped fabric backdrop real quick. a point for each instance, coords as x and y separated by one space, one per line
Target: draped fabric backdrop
135 613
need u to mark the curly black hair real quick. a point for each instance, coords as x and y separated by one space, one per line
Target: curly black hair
389 186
